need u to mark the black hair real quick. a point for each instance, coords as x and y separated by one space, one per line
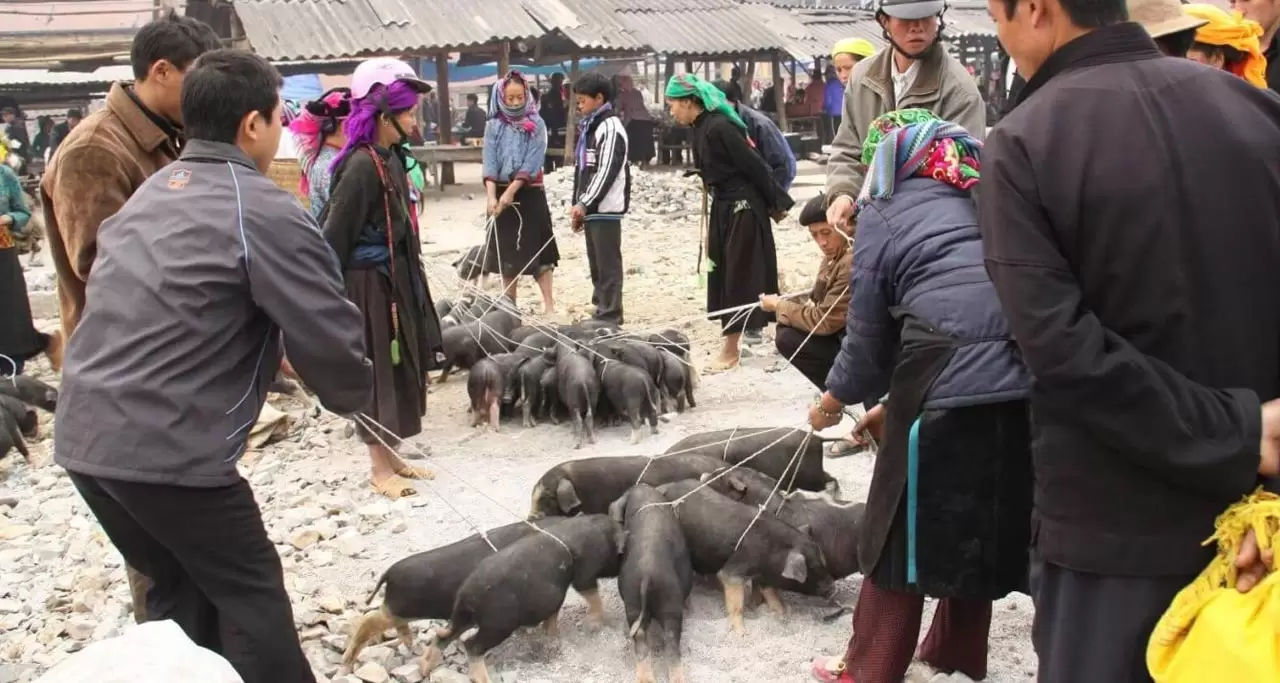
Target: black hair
814 211
9 110
594 84
224 86
173 38
1085 13
730 92
1230 56
1177 44
74 114
472 97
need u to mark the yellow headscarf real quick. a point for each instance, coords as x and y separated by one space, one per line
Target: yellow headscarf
1233 30
860 47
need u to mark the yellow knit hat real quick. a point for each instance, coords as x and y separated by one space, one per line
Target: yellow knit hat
860 47
1233 30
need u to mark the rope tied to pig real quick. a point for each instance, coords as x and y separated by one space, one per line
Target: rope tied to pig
369 423
13 376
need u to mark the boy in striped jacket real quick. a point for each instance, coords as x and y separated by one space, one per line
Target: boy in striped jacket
601 191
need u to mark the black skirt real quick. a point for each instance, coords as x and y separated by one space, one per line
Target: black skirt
744 261
972 506
521 241
640 147
19 339
399 389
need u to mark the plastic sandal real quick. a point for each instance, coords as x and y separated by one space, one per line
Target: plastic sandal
395 488
831 670
419 473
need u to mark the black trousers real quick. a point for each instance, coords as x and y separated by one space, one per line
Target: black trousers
212 569
1092 627
604 260
815 358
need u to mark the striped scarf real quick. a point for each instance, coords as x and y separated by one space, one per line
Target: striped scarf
584 128
914 142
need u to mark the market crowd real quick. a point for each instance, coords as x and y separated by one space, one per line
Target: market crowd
1068 379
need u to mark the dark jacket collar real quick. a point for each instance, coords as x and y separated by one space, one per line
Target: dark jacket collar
207 150
1127 42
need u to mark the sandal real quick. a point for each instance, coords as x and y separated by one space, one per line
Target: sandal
719 367
395 488
419 473
843 448
831 670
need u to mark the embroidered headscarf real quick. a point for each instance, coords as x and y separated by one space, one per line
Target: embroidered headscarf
914 142
1233 30
309 128
520 117
690 85
361 127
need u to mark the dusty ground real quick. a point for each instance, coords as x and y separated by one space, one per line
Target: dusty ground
61 584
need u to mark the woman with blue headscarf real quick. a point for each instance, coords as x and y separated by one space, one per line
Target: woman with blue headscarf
520 240
948 513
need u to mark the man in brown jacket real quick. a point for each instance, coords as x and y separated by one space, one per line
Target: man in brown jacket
808 333
915 72
108 156
1128 221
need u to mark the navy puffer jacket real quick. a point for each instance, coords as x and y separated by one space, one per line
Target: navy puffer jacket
921 250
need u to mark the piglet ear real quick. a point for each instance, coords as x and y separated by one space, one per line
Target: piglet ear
567 496
795 568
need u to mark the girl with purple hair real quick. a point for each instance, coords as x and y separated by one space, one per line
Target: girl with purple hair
371 221
520 239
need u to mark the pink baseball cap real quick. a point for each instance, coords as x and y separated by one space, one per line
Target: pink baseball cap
384 71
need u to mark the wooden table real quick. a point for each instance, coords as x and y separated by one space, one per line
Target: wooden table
431 156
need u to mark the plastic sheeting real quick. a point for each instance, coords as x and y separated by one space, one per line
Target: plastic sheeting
155 652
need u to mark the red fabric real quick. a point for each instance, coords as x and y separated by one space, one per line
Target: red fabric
886 626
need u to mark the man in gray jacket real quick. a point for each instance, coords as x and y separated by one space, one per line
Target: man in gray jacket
198 277
916 72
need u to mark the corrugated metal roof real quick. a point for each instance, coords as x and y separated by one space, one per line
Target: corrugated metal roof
685 27
83 16
590 24
37 77
324 29
962 22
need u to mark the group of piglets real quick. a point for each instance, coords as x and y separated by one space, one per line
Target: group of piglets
20 395
654 523
588 371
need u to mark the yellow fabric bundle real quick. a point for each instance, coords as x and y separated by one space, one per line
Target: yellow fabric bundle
1212 632
1233 30
860 47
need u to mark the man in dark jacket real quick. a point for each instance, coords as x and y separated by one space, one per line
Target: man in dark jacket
198 278
1137 266
601 190
768 138
474 120
15 128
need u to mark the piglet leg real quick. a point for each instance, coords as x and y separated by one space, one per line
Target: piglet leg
734 597
432 658
479 672
493 414
594 606
552 625
773 600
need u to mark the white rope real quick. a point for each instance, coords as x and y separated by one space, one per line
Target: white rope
370 421
795 466
13 377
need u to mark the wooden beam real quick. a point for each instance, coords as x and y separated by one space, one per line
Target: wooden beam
504 59
444 126
779 92
571 111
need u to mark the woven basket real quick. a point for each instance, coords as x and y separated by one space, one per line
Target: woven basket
286 173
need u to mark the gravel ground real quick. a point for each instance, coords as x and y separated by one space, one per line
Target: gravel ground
62 584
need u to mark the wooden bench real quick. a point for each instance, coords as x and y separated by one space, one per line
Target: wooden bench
431 156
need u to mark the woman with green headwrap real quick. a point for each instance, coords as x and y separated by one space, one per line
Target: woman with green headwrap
948 512
742 261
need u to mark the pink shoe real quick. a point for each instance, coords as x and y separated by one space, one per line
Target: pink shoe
831 670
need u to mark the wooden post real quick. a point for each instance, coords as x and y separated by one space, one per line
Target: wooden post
706 71
504 59
444 124
668 73
779 92
571 111
659 78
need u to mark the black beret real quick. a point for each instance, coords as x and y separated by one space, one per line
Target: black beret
814 211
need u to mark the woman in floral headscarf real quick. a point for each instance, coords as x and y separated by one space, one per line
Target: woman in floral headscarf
949 510
742 261
520 240
1228 42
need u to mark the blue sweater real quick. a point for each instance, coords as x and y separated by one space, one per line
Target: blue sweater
511 153
921 250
